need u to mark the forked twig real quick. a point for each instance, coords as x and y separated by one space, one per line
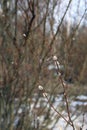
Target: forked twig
45 95
64 87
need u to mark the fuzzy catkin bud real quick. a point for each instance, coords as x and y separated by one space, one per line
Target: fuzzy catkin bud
24 35
40 87
54 57
45 94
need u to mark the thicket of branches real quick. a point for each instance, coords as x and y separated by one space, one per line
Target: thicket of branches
31 33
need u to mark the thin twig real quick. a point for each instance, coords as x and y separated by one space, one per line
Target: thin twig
57 111
65 93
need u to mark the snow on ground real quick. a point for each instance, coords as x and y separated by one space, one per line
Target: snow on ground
60 124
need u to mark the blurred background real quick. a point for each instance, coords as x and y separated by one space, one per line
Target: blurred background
31 33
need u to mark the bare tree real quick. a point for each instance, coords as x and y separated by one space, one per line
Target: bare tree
29 39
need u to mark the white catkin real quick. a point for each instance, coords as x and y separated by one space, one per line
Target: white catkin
45 94
54 57
24 35
40 87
